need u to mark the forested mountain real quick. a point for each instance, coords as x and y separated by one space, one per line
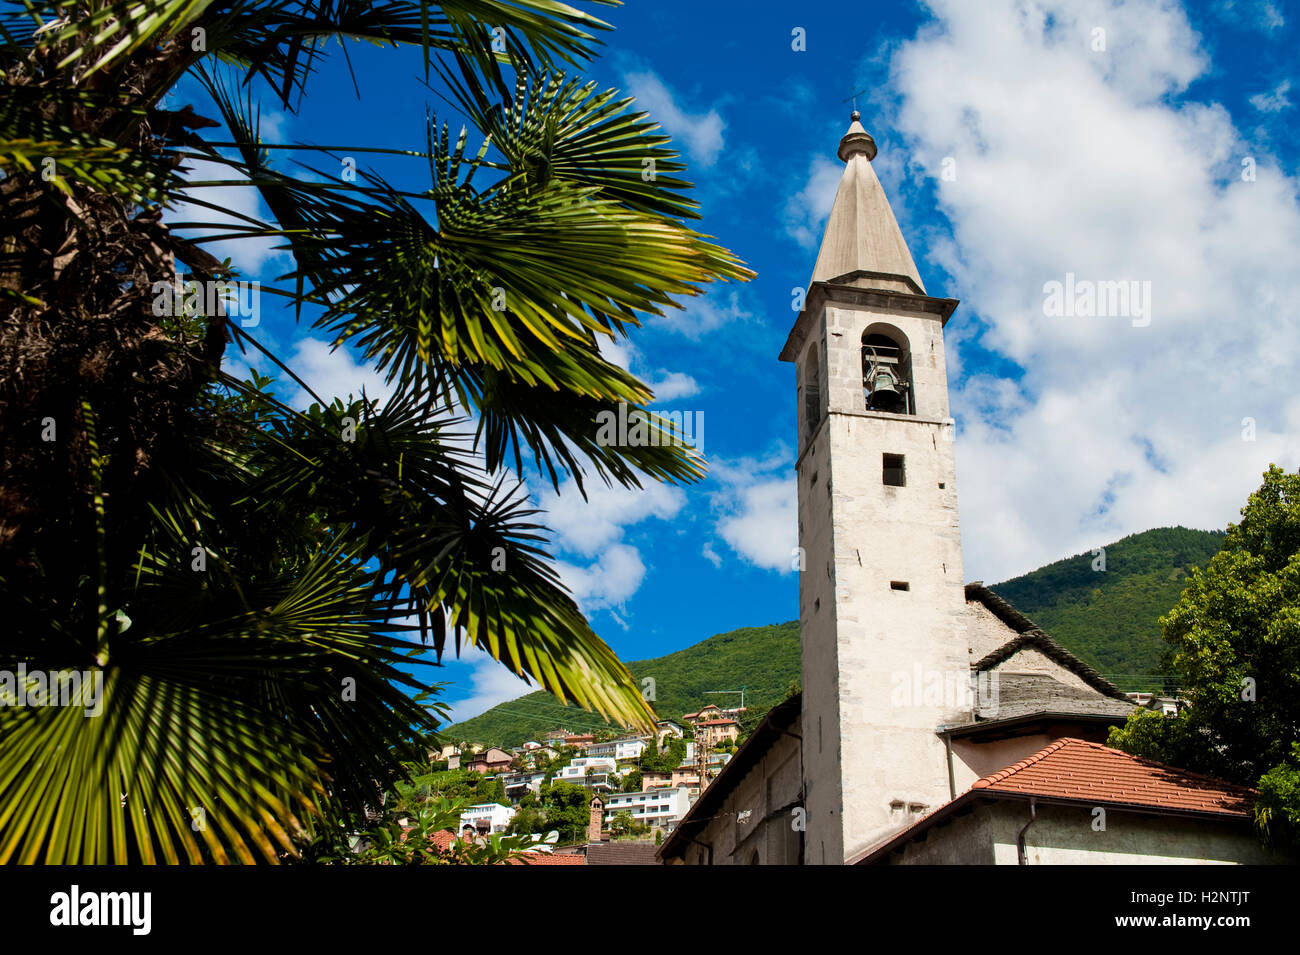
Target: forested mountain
1107 617
763 659
1110 617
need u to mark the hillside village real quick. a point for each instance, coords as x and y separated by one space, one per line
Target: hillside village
599 797
592 788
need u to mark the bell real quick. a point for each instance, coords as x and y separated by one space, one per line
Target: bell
885 395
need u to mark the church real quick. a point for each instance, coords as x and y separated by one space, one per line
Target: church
936 724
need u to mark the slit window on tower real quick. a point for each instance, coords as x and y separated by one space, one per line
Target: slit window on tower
894 473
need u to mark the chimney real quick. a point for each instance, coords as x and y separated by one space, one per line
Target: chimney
597 819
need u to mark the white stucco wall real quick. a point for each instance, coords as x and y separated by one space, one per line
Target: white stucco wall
1064 835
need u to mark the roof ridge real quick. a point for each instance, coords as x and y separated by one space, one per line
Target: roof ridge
986 781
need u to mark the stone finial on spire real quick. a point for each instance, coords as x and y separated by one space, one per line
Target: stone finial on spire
856 140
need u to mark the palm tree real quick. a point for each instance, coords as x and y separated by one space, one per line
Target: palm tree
245 579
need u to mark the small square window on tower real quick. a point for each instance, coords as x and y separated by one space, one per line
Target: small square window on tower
894 473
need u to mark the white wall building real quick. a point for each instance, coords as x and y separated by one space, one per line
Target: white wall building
603 772
658 807
618 748
496 816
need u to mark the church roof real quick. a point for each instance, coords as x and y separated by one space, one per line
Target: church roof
1076 772
862 234
1030 635
1031 694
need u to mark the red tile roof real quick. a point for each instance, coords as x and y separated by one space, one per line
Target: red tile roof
1076 769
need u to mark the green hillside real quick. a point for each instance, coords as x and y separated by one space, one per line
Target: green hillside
1109 619
764 659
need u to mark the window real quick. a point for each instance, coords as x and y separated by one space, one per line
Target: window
894 473
899 585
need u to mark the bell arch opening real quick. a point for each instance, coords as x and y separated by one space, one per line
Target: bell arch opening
887 371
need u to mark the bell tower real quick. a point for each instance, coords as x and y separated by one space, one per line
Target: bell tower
881 598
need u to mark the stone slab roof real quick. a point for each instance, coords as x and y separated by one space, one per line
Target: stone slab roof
1025 694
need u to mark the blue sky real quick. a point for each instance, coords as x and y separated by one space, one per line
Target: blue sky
1110 155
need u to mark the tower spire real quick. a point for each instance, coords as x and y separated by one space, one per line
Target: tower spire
862 234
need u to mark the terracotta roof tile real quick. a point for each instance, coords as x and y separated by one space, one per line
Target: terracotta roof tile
1076 769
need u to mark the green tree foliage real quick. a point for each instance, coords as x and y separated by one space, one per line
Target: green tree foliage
623 826
409 841
567 810
243 575
1236 639
673 755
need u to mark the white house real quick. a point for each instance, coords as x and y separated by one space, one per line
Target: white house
626 748
658 807
594 772
490 816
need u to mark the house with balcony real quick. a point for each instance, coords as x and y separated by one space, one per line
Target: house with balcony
711 732
518 785
594 772
660 808
628 747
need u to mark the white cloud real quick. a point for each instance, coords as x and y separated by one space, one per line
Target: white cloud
253 257
667 385
1273 102
674 385
607 582
333 373
699 134
492 684
588 526
1074 161
595 527
807 209
756 509
704 313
